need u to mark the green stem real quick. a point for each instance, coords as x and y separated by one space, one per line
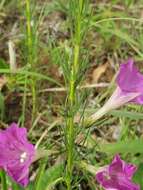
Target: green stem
70 135
70 121
2 4
24 101
72 100
15 186
33 100
3 180
29 31
30 56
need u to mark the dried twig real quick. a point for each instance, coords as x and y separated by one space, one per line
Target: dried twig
87 86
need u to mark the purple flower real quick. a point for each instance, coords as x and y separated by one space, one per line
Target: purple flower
16 153
130 80
117 176
129 89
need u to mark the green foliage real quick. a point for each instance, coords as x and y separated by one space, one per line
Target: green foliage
138 177
3 64
2 106
3 180
38 181
50 177
128 146
127 114
86 34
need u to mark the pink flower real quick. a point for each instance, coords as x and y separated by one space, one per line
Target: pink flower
16 153
129 80
117 176
129 89
129 86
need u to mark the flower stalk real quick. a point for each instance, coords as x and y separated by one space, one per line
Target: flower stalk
30 43
116 100
3 180
70 136
70 121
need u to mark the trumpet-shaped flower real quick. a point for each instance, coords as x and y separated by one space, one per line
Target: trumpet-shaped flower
117 176
16 153
129 89
130 80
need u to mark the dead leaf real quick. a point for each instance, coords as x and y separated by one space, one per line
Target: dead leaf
98 72
3 81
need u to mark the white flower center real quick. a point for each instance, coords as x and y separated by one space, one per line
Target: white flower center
107 176
23 157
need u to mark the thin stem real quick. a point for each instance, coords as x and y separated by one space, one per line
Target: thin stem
33 100
94 117
117 18
2 4
72 98
3 180
70 123
24 101
29 31
30 56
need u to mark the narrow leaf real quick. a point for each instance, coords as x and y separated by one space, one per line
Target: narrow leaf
128 146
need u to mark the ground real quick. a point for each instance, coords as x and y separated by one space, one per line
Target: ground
34 86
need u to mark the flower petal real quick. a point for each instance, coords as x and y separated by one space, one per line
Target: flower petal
105 180
129 79
130 169
16 153
117 176
19 174
116 166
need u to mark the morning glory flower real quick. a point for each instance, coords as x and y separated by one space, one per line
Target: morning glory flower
129 89
117 176
130 80
16 153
